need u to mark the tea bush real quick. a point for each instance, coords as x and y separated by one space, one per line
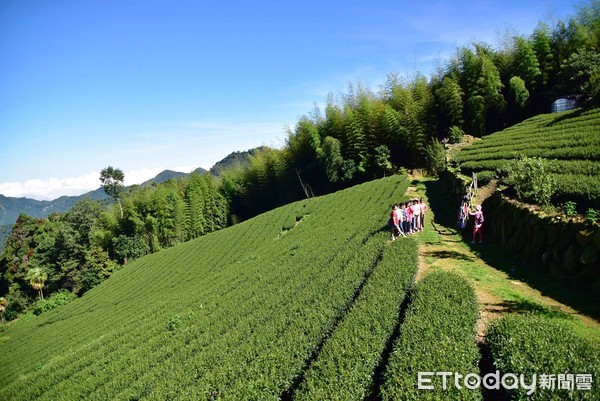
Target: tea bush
438 335
532 344
571 140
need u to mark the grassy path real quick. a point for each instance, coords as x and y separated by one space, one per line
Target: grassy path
489 269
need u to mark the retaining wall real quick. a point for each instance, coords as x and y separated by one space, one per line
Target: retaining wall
565 249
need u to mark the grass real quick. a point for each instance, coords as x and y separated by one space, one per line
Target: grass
502 284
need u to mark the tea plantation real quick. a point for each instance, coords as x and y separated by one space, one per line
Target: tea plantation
237 314
309 301
571 140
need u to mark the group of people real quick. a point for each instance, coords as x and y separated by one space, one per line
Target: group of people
407 218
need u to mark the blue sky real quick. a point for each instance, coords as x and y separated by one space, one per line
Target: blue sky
149 85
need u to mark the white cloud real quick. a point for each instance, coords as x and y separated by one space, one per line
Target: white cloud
52 188
180 147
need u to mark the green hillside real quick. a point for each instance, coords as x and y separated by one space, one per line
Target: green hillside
571 140
310 301
237 314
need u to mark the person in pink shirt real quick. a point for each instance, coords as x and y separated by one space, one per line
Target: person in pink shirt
394 221
477 228
409 219
423 210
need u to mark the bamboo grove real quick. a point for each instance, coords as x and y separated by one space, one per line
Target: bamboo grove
481 89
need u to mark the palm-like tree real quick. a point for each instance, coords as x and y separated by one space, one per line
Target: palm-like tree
3 303
37 278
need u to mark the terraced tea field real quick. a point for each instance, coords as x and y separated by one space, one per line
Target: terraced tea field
237 314
570 139
310 301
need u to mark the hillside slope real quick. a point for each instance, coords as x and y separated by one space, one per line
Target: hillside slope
237 314
571 140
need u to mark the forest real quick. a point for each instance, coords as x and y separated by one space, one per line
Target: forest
358 136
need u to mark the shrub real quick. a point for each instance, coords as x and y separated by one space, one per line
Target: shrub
55 300
436 157
532 344
455 134
592 215
570 208
483 177
531 179
438 335
356 346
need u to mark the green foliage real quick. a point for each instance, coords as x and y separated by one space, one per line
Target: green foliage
527 67
531 179
568 139
129 248
344 368
348 170
451 98
261 308
57 299
436 157
570 209
37 277
531 344
483 86
112 181
581 73
382 158
519 91
438 335
485 176
455 134
80 248
333 159
174 322
592 215
16 302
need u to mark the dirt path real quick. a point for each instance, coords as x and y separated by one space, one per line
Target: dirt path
443 248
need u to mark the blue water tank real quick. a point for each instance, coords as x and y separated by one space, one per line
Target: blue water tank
564 104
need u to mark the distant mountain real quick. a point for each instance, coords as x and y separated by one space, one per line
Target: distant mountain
165 176
11 208
234 160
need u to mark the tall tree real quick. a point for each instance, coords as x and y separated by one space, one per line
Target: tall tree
541 39
332 158
37 279
112 183
450 96
482 80
527 65
3 303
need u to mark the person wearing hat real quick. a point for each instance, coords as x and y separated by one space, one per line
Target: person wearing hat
478 214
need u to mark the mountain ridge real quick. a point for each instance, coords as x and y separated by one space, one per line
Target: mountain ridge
12 207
